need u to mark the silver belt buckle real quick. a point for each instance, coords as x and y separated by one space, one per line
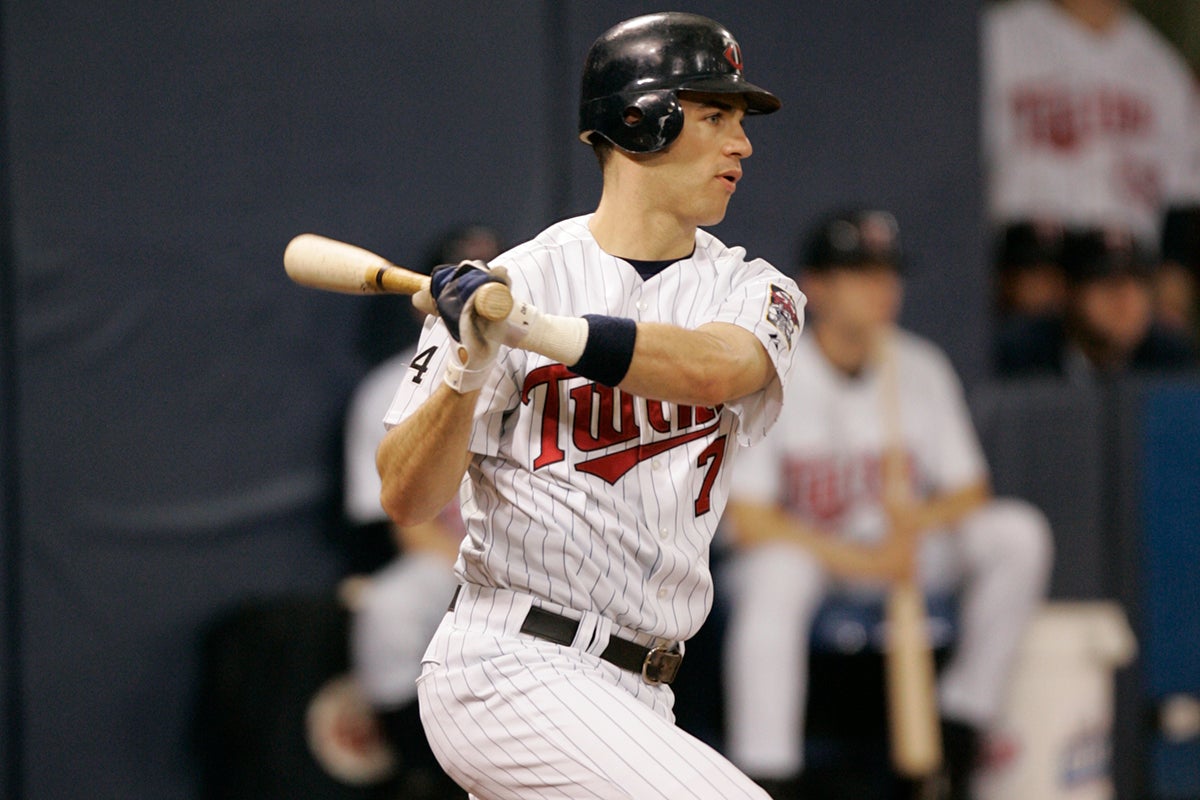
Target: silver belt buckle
661 665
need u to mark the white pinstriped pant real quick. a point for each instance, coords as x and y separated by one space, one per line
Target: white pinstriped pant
512 716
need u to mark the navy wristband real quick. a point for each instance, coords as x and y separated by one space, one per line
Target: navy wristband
609 349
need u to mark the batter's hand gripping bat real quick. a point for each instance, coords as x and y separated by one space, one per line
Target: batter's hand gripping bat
915 734
334 266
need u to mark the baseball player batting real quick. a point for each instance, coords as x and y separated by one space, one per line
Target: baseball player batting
590 437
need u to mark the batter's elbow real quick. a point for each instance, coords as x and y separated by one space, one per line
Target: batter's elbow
410 496
715 385
710 392
400 508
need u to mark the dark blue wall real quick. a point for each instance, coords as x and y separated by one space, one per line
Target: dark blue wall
179 402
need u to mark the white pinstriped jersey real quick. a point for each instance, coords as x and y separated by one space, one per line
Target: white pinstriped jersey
1090 128
585 496
823 461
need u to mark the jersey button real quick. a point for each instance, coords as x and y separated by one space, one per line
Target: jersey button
641 306
655 464
664 534
662 593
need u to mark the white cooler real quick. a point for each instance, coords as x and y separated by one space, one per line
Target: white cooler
1054 738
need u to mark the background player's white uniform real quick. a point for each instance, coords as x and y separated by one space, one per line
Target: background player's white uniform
596 505
401 606
822 463
1084 127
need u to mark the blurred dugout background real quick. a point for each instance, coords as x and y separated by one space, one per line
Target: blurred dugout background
172 405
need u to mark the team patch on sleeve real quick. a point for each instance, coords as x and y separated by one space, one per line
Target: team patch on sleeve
782 314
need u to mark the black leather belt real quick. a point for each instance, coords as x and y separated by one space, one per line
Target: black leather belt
655 664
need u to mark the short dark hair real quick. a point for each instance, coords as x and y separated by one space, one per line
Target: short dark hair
603 149
1090 254
1028 243
1181 236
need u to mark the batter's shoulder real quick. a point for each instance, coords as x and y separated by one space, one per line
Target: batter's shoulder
725 259
554 249
562 234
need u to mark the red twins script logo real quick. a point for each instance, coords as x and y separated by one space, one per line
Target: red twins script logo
598 418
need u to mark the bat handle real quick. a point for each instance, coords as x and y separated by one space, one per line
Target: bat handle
493 301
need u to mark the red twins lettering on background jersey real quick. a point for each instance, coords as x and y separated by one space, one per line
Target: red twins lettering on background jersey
1090 128
823 460
587 496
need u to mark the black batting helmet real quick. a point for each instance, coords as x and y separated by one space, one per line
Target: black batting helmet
634 71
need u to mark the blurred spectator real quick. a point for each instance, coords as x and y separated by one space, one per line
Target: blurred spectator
1108 328
1177 285
398 607
388 325
1089 116
1030 278
809 517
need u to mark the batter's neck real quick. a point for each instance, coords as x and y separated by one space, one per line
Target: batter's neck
642 235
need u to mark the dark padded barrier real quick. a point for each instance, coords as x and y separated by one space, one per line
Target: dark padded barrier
263 663
1169 508
1045 442
1114 467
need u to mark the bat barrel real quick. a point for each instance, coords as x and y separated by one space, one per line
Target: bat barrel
323 263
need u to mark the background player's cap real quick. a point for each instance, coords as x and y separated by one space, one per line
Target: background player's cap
853 239
634 72
1026 243
1181 237
1090 254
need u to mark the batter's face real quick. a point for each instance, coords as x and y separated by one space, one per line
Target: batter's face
696 175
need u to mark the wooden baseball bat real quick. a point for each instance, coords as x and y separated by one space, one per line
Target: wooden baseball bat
915 733
916 741
322 263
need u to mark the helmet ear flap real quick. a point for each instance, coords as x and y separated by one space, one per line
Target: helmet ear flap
639 123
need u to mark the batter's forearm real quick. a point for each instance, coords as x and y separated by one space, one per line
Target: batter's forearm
713 364
422 460
707 366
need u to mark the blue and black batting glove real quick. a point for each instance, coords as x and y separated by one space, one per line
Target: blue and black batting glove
452 286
